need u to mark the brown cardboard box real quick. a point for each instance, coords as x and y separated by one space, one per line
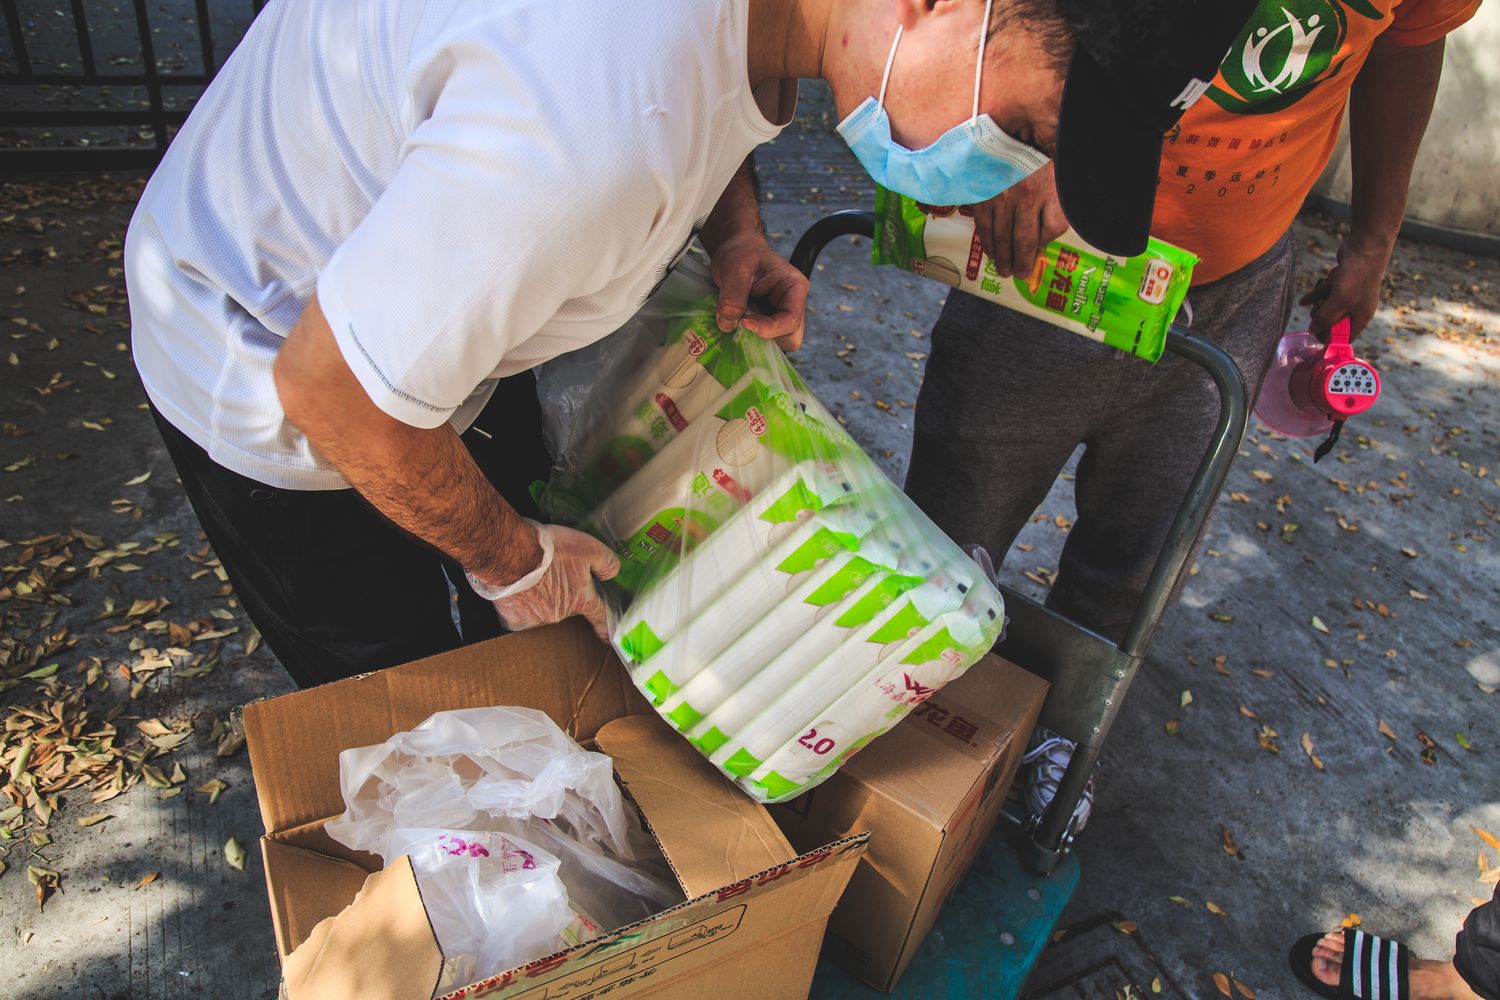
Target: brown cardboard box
754 914
928 792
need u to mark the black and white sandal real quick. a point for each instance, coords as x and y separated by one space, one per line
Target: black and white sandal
1373 969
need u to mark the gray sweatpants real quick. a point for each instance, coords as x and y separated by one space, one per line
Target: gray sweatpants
1006 399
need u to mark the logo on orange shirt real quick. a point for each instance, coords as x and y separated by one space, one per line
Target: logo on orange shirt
1283 50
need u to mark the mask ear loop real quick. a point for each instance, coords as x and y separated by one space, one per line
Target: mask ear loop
889 61
984 34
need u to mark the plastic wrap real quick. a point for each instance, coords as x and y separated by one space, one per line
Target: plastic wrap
1126 303
781 602
520 839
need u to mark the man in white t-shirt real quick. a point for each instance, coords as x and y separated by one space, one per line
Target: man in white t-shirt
383 214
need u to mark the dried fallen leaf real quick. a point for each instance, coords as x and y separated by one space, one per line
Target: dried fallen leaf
1317 624
1247 713
1417 595
1185 699
230 744
1180 901
1222 982
213 789
138 480
1124 926
1215 909
95 818
1487 837
1386 731
234 854
1226 839
45 880
1409 553
1173 727
1463 741
1307 748
1245 991
147 879
1156 985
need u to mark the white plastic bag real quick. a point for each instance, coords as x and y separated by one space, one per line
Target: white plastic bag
779 601
520 839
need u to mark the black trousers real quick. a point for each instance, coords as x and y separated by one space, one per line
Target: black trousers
333 586
1476 952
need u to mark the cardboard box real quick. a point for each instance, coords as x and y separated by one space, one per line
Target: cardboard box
929 792
755 910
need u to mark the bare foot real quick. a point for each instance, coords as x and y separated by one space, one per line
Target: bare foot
1428 980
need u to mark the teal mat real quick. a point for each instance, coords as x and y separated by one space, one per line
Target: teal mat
987 937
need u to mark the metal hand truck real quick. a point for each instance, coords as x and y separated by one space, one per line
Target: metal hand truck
993 928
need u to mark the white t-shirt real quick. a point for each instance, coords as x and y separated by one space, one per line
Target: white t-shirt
472 187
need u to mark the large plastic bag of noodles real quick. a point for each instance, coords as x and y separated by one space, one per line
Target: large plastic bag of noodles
780 601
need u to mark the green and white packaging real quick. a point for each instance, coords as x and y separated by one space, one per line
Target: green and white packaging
770 571
672 600
1126 303
869 707
816 567
769 712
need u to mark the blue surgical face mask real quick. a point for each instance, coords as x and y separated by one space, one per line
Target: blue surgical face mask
970 163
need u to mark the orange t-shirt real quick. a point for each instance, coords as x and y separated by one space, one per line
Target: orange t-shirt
1236 168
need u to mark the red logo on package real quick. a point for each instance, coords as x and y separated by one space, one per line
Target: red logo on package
976 257
669 410
696 345
659 533
917 690
728 485
756 420
952 657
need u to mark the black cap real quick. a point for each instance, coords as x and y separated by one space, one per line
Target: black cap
1138 65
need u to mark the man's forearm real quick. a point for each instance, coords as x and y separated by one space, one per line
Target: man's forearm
426 482
737 211
1389 108
422 479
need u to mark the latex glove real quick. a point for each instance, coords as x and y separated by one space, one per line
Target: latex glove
1015 225
561 585
746 267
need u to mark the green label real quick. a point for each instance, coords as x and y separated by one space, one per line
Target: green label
900 625
794 501
824 544
711 741
778 788
741 763
684 717
877 600
658 687
652 551
640 643
853 573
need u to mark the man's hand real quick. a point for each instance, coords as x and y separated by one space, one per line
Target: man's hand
560 586
1351 288
745 268
1018 222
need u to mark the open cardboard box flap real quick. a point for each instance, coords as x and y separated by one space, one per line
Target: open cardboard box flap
346 933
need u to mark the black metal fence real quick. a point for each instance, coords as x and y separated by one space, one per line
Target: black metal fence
104 84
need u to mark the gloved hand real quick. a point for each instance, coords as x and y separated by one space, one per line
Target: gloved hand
560 586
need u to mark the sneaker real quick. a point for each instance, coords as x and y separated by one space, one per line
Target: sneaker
1048 756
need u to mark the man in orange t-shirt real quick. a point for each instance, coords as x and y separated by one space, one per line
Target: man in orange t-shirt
1006 399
